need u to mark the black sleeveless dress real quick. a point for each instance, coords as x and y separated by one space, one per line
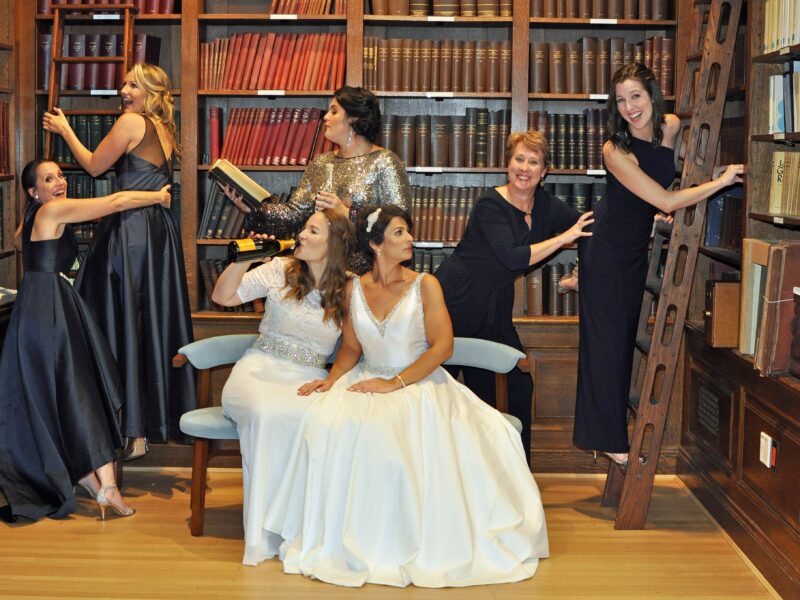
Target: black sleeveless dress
613 271
60 390
134 279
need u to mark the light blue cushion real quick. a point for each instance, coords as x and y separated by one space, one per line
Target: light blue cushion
218 350
209 423
515 422
483 354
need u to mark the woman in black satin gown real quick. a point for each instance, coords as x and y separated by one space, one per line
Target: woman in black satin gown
60 388
133 276
639 160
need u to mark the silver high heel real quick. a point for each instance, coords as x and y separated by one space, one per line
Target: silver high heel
104 503
622 464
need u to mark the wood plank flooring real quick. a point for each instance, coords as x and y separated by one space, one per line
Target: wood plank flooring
682 553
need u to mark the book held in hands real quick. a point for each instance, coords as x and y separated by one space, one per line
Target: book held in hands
229 174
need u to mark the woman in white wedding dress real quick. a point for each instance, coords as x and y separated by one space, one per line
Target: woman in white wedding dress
399 474
304 311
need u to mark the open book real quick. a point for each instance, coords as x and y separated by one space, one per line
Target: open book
226 172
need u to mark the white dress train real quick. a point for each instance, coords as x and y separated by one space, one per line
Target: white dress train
261 393
425 485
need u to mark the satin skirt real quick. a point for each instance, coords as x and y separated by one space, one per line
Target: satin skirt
426 485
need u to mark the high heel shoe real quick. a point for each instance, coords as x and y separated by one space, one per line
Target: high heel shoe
84 483
104 503
622 463
135 448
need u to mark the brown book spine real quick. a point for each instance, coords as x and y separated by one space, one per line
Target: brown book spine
573 9
574 68
418 8
457 68
456 139
416 63
468 67
398 7
382 71
438 215
395 79
493 66
550 9
616 56
440 140
388 139
422 143
482 138
630 9
406 65
604 66
616 9
533 289
657 46
599 9
494 139
379 7
470 136
537 9
425 47
481 66
446 66
668 66
469 8
645 9
406 139
557 68
585 9
590 51
539 71
661 10
435 52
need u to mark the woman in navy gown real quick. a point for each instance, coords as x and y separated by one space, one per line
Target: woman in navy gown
512 229
639 163
133 276
61 391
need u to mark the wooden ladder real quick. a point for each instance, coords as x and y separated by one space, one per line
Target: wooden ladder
57 58
701 104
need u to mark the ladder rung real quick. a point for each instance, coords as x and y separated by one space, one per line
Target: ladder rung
94 7
694 57
92 112
684 116
87 59
653 285
643 345
664 228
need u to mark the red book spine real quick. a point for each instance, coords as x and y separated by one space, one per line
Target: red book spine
314 62
294 64
309 135
265 61
247 135
282 132
243 55
298 134
249 66
272 134
291 135
341 55
167 7
264 129
259 58
319 142
253 136
327 62
284 62
214 125
151 7
230 63
280 39
230 131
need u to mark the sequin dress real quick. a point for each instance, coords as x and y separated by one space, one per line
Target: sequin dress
260 395
60 389
376 178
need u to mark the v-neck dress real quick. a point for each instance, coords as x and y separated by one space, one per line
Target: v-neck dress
134 280
425 485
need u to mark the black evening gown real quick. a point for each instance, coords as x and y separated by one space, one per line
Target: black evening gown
478 284
60 389
133 277
612 277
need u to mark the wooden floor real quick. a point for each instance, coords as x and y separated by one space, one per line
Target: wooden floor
682 554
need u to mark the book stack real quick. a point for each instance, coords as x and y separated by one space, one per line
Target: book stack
273 61
724 220
268 136
221 219
90 129
473 140
428 261
410 65
210 270
145 7
601 9
5 141
92 76
442 8
575 140
588 65
541 295
440 214
308 7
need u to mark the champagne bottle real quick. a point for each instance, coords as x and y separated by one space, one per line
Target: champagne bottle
250 249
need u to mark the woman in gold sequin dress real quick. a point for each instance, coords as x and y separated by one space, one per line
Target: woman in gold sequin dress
363 173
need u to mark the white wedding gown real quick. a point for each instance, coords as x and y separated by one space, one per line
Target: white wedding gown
425 485
261 392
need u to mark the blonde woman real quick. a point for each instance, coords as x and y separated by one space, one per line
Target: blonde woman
133 274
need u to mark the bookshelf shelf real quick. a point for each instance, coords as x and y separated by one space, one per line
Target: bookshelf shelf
579 97
732 258
626 23
427 21
260 168
93 93
779 56
776 219
783 138
263 19
443 95
267 93
587 172
435 170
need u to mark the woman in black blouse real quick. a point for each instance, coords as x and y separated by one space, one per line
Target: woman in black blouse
512 229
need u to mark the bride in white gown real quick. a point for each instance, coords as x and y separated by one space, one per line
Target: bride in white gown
305 307
399 474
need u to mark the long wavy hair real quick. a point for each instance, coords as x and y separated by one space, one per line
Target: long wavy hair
300 282
618 131
158 101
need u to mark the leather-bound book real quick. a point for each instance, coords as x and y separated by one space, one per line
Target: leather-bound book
445 8
437 215
470 136
505 131
582 196
422 145
214 131
43 49
591 137
481 66
395 78
425 49
667 66
585 9
558 68
422 220
533 293
630 9
456 141
469 8
616 9
550 9
291 136
493 66
554 301
505 67
590 51
630 52
639 53
76 71
537 9
572 142
368 64
92 73
468 67
406 140
298 136
416 64
572 9
446 66
481 138
406 67
539 67
418 8
604 66
243 75
660 10
379 7
599 9
574 68
461 212
440 140
550 133
616 57
458 65
492 138
382 66
416 195
398 7
388 128
657 46
598 193
146 48
488 8
580 142
645 10
435 51
504 8
562 126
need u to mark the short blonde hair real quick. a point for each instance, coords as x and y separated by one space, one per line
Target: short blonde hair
532 140
158 102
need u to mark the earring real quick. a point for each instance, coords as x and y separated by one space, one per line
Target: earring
377 252
36 197
350 137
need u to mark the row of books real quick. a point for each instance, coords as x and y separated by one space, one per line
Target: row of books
92 76
440 214
475 139
784 198
144 7
601 9
781 24
273 61
411 65
541 292
442 8
268 136
81 185
784 100
308 7
583 197
588 65
90 130
210 270
221 219
724 221
5 140
84 232
575 140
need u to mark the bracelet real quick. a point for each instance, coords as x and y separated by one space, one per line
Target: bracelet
403 383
